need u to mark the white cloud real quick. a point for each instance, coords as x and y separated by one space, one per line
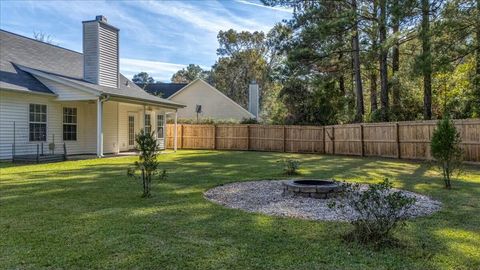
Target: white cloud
221 19
161 71
87 10
282 9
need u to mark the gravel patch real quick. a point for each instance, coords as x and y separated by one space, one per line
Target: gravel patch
267 197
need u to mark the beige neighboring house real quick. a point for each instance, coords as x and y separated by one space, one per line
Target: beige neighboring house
54 100
200 95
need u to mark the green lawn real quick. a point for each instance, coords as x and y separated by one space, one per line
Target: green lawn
88 214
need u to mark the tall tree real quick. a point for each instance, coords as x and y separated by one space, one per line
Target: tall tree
426 60
371 63
244 56
456 47
356 65
476 80
422 54
143 78
382 25
44 37
395 80
189 74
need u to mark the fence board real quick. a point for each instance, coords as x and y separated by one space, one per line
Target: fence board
266 138
304 139
380 140
232 137
406 140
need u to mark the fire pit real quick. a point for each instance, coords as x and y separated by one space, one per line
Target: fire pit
320 189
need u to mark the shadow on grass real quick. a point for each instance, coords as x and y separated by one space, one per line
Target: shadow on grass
88 214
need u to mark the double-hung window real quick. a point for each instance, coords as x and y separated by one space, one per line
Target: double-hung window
69 124
160 125
148 124
37 122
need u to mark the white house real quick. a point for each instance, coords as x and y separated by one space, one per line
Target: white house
52 94
199 96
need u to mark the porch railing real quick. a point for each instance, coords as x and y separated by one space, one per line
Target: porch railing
38 152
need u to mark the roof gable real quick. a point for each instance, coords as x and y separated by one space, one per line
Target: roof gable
211 88
22 55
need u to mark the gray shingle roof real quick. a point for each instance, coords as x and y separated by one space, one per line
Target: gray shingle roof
17 51
164 90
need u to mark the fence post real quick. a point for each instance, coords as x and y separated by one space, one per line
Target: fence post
214 137
181 136
13 152
397 131
361 140
333 140
324 143
284 139
38 153
248 138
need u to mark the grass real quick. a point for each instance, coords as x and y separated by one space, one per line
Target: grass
88 214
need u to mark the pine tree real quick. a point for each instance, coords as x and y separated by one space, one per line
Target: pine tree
384 93
426 60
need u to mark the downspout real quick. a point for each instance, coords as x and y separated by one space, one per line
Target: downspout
100 101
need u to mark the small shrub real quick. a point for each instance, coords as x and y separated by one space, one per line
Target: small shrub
376 210
249 121
147 165
290 166
203 121
445 148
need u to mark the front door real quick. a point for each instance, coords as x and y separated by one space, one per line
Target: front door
131 131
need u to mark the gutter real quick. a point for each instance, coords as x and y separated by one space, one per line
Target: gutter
29 92
144 101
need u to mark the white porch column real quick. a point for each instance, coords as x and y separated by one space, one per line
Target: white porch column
99 127
175 133
144 113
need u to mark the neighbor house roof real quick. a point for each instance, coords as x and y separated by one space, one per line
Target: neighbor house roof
164 90
200 81
22 57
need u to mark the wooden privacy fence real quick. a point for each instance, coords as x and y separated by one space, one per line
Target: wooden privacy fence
405 140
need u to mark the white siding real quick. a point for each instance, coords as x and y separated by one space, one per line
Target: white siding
100 50
124 111
110 126
108 56
65 92
215 105
137 112
90 51
15 107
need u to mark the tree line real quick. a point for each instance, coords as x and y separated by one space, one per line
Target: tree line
355 61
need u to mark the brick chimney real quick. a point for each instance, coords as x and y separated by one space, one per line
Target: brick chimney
100 52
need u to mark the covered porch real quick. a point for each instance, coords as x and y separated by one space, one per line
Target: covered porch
118 120
102 127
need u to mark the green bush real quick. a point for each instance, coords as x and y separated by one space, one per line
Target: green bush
249 121
374 212
445 148
147 165
202 121
290 166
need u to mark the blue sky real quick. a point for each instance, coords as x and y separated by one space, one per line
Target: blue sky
158 37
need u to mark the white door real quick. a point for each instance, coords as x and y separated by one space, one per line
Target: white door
161 123
131 131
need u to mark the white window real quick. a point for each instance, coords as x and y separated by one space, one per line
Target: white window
37 122
69 124
148 124
131 130
160 125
